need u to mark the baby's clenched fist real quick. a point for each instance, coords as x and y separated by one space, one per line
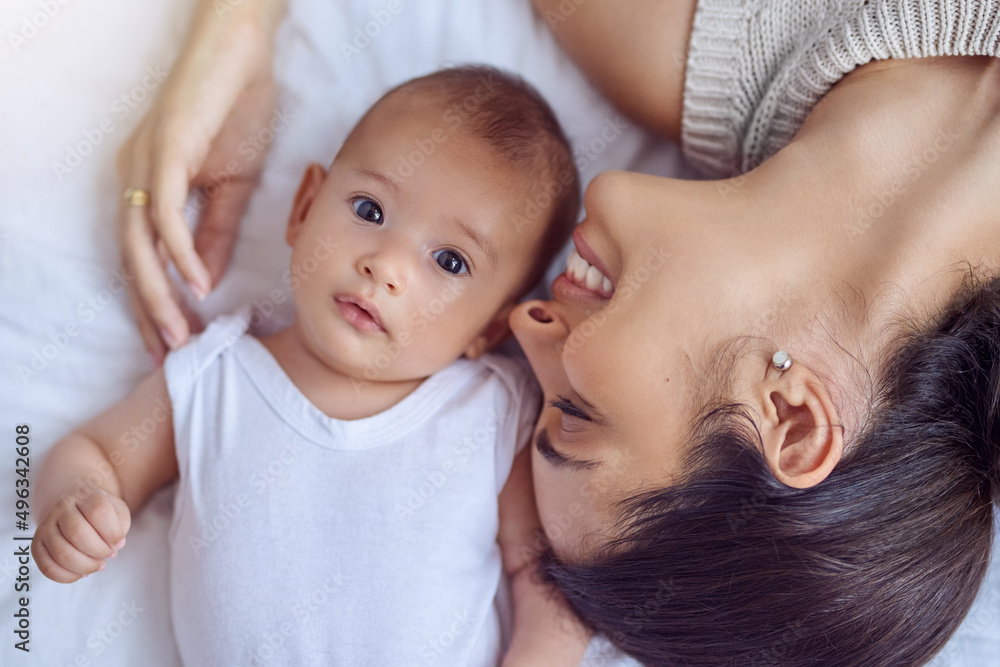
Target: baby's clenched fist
79 533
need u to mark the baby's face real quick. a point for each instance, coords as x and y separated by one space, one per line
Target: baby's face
407 253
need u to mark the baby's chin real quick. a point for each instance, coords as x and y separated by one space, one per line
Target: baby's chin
384 367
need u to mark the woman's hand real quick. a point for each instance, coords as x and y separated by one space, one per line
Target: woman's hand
202 132
76 536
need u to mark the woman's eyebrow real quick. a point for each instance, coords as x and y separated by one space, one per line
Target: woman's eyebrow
544 446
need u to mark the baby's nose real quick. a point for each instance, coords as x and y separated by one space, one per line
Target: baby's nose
384 272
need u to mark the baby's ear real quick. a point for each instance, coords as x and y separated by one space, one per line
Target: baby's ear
495 333
312 182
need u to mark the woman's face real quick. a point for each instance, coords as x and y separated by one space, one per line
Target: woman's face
619 374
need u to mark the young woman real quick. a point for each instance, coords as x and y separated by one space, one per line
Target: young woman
776 438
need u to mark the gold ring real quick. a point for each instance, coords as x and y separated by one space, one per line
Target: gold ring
136 197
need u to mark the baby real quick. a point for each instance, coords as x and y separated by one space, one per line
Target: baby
338 480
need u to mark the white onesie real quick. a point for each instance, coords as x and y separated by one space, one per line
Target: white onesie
298 539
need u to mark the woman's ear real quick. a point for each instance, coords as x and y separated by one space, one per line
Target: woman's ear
801 432
495 333
312 182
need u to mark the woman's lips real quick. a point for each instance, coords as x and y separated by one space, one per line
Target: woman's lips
579 271
359 313
587 253
567 291
583 280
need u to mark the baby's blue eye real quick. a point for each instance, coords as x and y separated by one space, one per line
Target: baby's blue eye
450 261
368 210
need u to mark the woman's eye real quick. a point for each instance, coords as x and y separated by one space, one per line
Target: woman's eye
570 424
368 210
450 261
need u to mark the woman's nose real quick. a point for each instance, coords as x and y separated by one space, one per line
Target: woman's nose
606 195
542 333
539 315
541 322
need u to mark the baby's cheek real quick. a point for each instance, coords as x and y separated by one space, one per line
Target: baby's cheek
435 305
423 348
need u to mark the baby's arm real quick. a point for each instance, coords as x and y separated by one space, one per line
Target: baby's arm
96 476
546 631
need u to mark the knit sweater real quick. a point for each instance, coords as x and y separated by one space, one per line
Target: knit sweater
757 68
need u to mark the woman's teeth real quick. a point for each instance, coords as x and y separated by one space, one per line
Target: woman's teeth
585 275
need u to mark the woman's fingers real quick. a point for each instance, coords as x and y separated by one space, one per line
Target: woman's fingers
159 320
218 93
169 193
193 319
195 325
152 285
217 232
147 329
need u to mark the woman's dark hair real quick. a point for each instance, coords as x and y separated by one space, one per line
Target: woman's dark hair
876 565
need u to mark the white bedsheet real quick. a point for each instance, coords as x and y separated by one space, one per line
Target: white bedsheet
71 73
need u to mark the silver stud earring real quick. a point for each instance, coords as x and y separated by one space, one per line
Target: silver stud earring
781 360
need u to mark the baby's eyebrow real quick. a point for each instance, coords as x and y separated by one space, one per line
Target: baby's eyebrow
484 242
380 177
